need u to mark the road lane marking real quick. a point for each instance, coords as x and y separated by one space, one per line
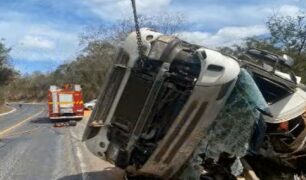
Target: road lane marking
23 132
11 111
79 154
20 123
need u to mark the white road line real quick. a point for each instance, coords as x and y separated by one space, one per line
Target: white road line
20 123
11 111
79 155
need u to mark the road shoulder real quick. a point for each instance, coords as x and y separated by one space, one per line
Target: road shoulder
91 166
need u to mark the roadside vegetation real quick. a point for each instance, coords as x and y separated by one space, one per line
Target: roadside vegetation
287 36
7 73
91 65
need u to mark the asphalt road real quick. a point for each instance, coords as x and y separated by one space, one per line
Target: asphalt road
31 148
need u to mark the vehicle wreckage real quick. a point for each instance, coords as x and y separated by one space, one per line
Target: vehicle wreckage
283 148
189 112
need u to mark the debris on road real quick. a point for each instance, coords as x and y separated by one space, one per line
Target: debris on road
65 124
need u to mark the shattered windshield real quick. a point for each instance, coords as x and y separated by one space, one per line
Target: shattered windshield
232 129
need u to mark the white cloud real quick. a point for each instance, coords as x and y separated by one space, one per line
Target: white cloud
218 25
117 9
212 23
224 37
201 14
215 15
289 10
37 42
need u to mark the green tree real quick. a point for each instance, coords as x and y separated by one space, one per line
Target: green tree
164 22
6 71
89 68
288 32
287 36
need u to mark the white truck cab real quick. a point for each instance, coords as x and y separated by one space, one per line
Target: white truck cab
152 114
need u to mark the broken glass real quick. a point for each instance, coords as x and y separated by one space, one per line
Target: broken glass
232 130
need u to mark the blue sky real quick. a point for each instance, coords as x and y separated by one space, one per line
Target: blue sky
45 33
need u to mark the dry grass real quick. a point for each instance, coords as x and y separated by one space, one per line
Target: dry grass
4 109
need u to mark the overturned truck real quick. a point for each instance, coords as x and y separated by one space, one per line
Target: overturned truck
151 115
189 112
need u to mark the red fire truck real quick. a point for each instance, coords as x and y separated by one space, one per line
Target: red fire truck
66 102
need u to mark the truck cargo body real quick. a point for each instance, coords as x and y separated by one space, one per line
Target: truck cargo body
65 103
